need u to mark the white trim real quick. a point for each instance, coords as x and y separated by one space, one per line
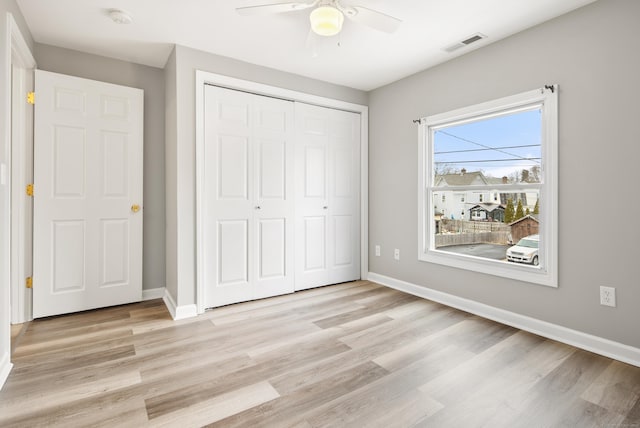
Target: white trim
153 293
364 194
17 52
178 312
21 222
5 368
202 78
608 348
20 56
547 272
19 46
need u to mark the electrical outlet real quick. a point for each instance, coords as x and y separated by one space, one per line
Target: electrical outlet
377 250
396 254
608 296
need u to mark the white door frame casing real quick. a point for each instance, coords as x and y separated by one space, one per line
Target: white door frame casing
16 52
21 205
203 78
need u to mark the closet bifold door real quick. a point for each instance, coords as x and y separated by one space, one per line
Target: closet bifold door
248 206
327 190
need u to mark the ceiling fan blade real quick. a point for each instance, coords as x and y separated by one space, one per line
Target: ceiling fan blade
311 44
265 9
373 18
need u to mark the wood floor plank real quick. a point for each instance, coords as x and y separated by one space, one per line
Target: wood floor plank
451 388
58 370
291 409
351 355
347 409
272 366
558 391
216 407
14 405
616 389
93 412
493 400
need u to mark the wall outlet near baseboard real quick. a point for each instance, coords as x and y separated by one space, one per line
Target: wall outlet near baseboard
396 254
608 296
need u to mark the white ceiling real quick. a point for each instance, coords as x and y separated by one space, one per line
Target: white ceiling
359 57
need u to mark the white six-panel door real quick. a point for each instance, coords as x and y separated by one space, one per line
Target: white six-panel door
88 147
247 225
327 196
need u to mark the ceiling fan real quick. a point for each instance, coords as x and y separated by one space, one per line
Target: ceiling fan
327 16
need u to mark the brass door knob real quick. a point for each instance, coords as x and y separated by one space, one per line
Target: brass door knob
135 208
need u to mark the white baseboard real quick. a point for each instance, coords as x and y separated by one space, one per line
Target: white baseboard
5 368
608 348
179 312
153 293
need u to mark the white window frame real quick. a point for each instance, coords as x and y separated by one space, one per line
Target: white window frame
547 271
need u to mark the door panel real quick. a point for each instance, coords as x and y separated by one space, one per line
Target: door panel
115 165
327 196
315 171
343 244
114 254
233 167
68 162
315 233
273 195
272 248
233 250
69 261
88 174
249 141
344 197
272 170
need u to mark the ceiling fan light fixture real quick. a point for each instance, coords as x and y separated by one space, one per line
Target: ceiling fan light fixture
326 20
120 16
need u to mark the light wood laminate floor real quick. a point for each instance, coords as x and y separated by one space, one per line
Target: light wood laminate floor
350 355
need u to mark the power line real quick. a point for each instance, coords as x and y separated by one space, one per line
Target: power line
482 145
487 160
483 150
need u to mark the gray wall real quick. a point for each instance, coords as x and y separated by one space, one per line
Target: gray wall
152 80
592 53
183 63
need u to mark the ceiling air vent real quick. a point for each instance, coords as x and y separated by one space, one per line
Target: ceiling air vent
466 42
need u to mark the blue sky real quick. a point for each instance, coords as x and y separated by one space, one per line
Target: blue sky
496 146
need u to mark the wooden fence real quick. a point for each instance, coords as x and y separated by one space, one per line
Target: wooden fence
464 232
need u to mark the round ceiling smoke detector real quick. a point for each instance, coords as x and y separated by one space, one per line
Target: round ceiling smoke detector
120 16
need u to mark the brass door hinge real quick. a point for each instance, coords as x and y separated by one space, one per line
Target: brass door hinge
30 189
29 282
31 97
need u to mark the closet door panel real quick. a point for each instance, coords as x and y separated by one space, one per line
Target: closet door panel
248 197
344 196
273 196
327 196
227 224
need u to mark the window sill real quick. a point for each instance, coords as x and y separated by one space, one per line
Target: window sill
521 272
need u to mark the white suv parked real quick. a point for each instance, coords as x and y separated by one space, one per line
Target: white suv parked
525 251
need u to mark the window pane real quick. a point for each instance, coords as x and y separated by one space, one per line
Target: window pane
490 229
495 150
482 171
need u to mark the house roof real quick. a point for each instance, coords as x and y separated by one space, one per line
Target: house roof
465 179
488 207
524 218
461 179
